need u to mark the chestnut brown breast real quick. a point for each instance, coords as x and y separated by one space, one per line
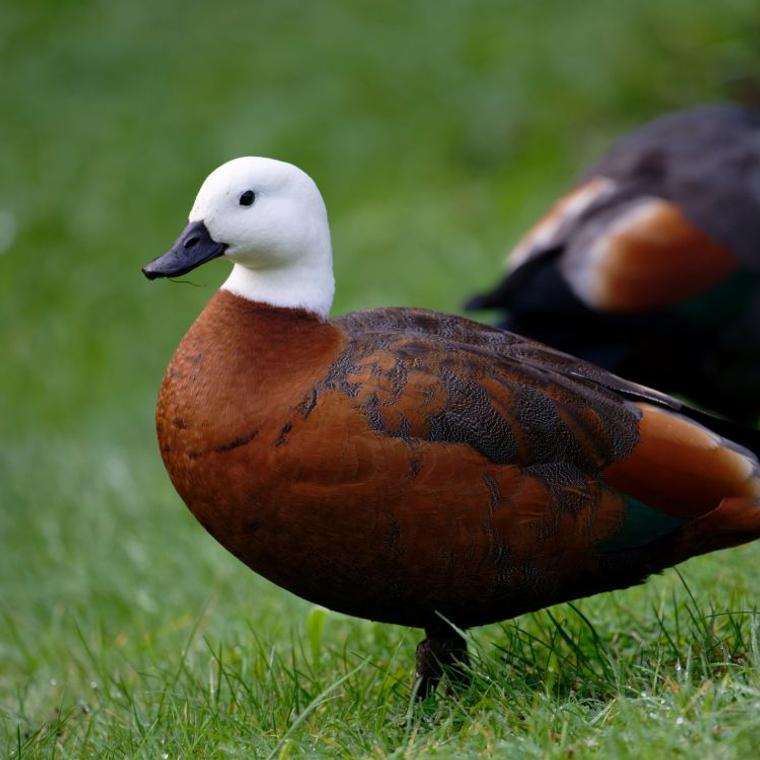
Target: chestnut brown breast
396 464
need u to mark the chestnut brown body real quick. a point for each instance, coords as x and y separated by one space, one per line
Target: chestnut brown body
402 465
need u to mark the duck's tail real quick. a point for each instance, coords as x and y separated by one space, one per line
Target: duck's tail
701 470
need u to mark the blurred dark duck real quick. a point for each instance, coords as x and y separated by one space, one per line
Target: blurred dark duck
413 467
649 266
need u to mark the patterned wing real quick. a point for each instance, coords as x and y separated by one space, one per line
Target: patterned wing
441 379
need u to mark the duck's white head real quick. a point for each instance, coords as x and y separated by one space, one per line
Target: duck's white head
268 217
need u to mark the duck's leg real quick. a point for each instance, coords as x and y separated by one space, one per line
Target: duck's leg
443 651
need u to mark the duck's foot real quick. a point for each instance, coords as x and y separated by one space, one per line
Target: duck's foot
441 653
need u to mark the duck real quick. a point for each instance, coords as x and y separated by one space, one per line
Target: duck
412 467
649 266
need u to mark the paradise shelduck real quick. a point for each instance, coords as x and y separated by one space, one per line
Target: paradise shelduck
413 467
650 265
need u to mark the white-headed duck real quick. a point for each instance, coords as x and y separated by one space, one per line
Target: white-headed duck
414 467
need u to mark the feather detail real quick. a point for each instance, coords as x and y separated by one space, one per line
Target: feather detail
681 467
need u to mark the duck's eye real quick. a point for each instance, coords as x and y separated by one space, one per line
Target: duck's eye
247 198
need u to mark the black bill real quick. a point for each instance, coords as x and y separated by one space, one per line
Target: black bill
191 249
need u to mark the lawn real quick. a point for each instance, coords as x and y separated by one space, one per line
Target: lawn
437 132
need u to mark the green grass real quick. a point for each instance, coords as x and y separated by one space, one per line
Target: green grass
437 132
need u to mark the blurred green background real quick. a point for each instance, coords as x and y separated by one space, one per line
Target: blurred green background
437 132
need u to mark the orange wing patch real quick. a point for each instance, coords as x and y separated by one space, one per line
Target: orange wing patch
681 467
650 257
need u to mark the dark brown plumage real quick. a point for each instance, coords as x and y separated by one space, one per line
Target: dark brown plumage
650 266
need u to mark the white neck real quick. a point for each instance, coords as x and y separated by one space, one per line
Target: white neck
298 286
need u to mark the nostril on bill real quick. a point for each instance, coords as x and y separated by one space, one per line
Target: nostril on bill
190 242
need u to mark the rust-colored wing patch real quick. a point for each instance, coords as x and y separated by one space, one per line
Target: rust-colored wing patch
647 257
681 468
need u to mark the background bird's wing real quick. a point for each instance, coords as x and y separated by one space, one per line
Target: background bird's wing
670 211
